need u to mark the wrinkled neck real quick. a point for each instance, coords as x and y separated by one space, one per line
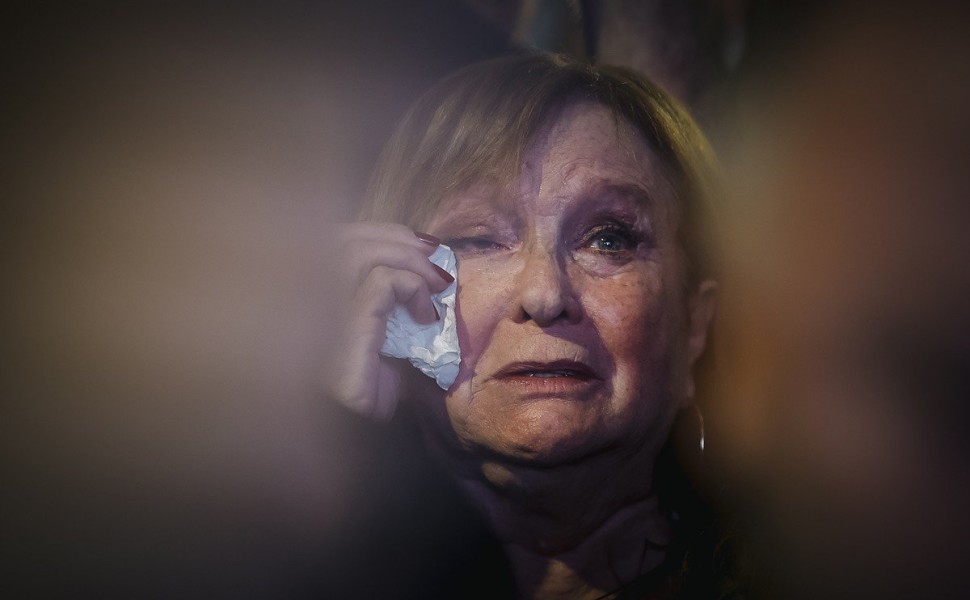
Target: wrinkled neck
628 545
568 534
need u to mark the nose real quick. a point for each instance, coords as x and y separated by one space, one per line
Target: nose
545 294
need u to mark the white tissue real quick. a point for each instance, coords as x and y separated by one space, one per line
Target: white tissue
432 348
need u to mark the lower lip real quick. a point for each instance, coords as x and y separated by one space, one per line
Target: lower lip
563 386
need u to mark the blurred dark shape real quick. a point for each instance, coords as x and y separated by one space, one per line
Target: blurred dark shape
546 25
170 173
843 406
690 48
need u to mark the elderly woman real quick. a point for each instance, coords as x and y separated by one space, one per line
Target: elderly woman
572 196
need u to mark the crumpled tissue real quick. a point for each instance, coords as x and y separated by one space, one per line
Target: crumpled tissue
433 348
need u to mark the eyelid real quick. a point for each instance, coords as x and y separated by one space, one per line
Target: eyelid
632 238
465 244
612 226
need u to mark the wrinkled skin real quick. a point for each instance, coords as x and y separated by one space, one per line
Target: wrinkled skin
578 336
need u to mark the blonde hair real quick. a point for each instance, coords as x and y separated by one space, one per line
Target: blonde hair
474 126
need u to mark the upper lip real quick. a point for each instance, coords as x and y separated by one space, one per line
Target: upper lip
521 368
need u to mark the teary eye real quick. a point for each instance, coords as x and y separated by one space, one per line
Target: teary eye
473 244
611 239
609 242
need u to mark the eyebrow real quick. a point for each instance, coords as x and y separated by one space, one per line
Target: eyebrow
478 210
607 188
485 209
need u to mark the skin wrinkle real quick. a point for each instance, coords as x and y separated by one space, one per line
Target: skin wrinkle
568 170
558 185
567 483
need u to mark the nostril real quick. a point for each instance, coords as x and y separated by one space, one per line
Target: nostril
546 295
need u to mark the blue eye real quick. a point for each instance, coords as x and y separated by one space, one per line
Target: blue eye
610 243
611 240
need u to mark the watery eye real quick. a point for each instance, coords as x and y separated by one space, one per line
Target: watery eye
612 240
609 242
473 245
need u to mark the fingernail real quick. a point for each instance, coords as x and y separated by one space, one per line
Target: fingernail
444 274
427 238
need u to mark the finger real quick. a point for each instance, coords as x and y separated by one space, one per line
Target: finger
357 386
366 385
390 232
362 260
385 287
388 388
360 384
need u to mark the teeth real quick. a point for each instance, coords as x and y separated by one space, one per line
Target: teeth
551 374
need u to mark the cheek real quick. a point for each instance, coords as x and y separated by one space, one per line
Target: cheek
629 315
484 297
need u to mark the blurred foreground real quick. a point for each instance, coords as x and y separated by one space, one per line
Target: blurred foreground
169 178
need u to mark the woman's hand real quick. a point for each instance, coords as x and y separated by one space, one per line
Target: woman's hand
383 264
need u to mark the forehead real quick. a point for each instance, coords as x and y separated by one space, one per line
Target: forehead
583 147
587 138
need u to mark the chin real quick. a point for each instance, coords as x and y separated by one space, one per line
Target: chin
543 433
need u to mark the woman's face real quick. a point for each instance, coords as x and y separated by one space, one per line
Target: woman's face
571 309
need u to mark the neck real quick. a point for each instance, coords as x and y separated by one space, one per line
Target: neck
622 549
571 534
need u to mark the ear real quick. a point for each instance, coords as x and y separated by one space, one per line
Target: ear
701 306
